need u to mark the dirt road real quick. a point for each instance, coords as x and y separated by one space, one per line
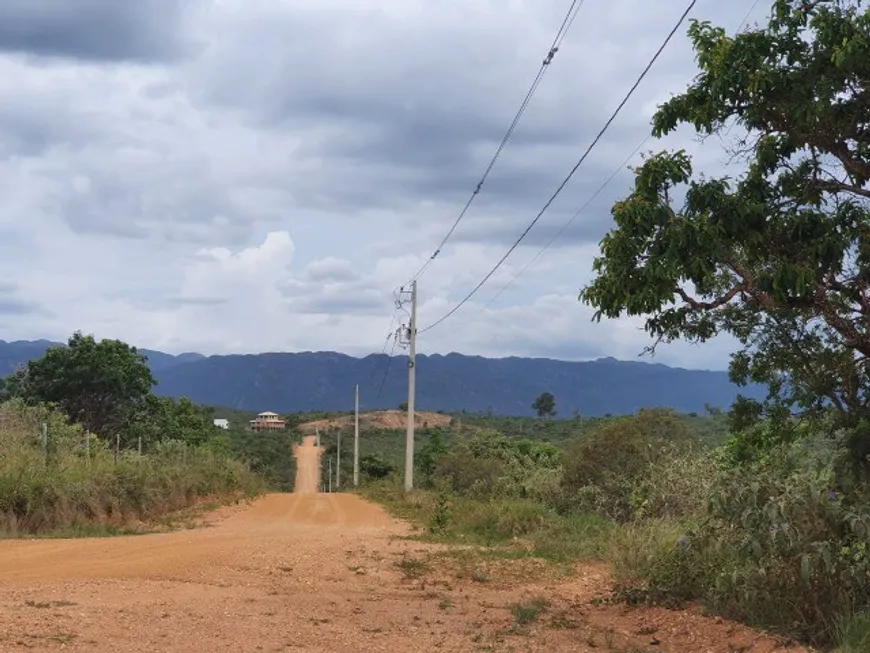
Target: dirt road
320 573
307 465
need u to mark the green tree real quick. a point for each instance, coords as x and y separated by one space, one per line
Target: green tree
779 257
374 467
12 386
545 405
430 453
164 418
100 385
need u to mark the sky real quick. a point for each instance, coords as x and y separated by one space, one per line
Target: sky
240 176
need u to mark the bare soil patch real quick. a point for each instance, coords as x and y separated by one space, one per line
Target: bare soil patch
382 419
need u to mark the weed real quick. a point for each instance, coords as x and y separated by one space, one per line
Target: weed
413 567
440 519
525 612
853 634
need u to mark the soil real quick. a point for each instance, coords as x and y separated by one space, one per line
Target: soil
382 419
321 573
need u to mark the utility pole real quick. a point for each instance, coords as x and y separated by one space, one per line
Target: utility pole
412 383
356 437
338 461
329 475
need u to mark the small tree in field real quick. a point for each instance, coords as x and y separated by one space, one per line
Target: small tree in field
545 405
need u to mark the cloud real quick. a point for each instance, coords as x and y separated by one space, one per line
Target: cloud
12 304
95 30
249 175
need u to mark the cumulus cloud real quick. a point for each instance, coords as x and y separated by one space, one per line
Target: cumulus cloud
250 175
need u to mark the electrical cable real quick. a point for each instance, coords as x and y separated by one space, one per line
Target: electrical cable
387 371
386 342
592 197
601 133
557 42
567 224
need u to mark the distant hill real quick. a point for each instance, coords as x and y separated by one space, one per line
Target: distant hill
308 381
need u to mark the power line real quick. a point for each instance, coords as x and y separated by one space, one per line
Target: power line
387 371
593 196
748 14
393 335
386 342
554 48
570 174
567 224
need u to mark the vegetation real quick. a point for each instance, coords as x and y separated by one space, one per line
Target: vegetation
778 258
545 405
766 517
59 479
85 446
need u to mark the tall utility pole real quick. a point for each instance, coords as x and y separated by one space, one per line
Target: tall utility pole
338 461
412 383
356 437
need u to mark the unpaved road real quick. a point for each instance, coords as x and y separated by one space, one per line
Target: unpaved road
307 465
320 573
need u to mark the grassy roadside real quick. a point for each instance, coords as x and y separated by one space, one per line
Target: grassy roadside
67 483
525 528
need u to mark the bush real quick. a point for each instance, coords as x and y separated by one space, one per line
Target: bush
647 465
491 465
75 484
785 543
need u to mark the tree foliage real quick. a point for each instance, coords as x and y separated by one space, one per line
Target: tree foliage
779 257
100 385
545 405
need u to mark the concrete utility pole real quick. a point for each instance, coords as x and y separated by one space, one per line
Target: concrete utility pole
356 437
412 387
338 461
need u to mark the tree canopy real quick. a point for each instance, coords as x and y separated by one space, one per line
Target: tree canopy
100 385
778 257
545 405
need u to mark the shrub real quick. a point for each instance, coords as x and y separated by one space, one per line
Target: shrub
491 465
74 483
785 542
626 468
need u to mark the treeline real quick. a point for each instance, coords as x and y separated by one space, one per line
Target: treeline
86 445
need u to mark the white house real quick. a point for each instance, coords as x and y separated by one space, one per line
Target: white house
222 423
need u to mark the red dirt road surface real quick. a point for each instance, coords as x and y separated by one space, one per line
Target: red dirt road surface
324 573
307 465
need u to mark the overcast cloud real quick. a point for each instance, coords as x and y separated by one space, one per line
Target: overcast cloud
260 175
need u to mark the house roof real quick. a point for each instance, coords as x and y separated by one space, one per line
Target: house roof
267 413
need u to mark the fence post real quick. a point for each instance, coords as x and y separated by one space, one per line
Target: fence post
140 445
88 447
45 443
117 447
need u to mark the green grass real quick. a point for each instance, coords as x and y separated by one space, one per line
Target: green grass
525 612
511 528
853 634
76 491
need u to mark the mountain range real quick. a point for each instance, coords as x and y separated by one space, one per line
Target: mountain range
306 381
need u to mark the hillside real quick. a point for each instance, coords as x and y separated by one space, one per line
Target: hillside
382 419
309 381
